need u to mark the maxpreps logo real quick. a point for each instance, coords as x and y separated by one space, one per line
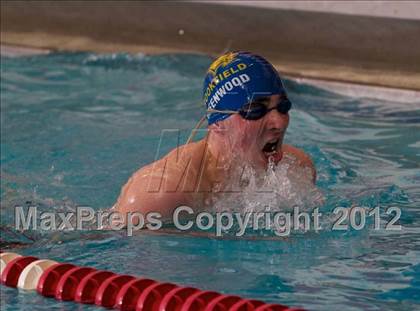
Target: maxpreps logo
219 76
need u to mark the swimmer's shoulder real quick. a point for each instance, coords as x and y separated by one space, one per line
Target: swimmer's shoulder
169 181
189 152
174 161
179 161
150 190
303 158
161 184
186 159
297 153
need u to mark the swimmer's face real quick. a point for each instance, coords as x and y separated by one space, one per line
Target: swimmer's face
255 141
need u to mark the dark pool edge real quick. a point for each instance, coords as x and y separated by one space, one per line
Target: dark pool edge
366 50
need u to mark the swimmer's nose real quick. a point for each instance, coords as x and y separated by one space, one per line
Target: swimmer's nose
277 120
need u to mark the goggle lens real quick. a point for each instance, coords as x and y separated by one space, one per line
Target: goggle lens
257 110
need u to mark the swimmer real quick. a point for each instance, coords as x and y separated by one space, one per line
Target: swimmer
247 115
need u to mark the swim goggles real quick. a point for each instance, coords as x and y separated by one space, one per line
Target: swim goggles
257 109
252 111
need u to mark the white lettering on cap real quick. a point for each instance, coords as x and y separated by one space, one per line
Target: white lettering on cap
236 81
228 86
244 78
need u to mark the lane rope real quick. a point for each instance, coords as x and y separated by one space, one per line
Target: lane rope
68 282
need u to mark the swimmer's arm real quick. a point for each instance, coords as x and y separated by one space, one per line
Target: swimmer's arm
304 160
144 195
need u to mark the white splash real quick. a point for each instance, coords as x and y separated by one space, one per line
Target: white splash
282 187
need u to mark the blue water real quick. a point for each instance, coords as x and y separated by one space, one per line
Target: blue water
75 126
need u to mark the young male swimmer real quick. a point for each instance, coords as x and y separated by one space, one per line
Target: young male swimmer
247 114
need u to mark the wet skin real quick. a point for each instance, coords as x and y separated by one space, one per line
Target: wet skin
189 174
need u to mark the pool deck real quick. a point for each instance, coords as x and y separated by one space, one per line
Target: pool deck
377 51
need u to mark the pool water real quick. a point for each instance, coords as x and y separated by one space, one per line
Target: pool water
75 126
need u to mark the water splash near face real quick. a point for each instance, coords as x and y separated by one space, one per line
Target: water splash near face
279 188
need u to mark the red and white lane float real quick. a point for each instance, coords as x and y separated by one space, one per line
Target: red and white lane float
65 281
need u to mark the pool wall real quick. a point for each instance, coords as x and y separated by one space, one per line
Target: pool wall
371 50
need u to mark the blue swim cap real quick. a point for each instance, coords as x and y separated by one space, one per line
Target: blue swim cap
237 78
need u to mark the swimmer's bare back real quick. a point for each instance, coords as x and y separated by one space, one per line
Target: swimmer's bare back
182 177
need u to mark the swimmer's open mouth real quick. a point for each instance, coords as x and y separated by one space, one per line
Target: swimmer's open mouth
270 148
